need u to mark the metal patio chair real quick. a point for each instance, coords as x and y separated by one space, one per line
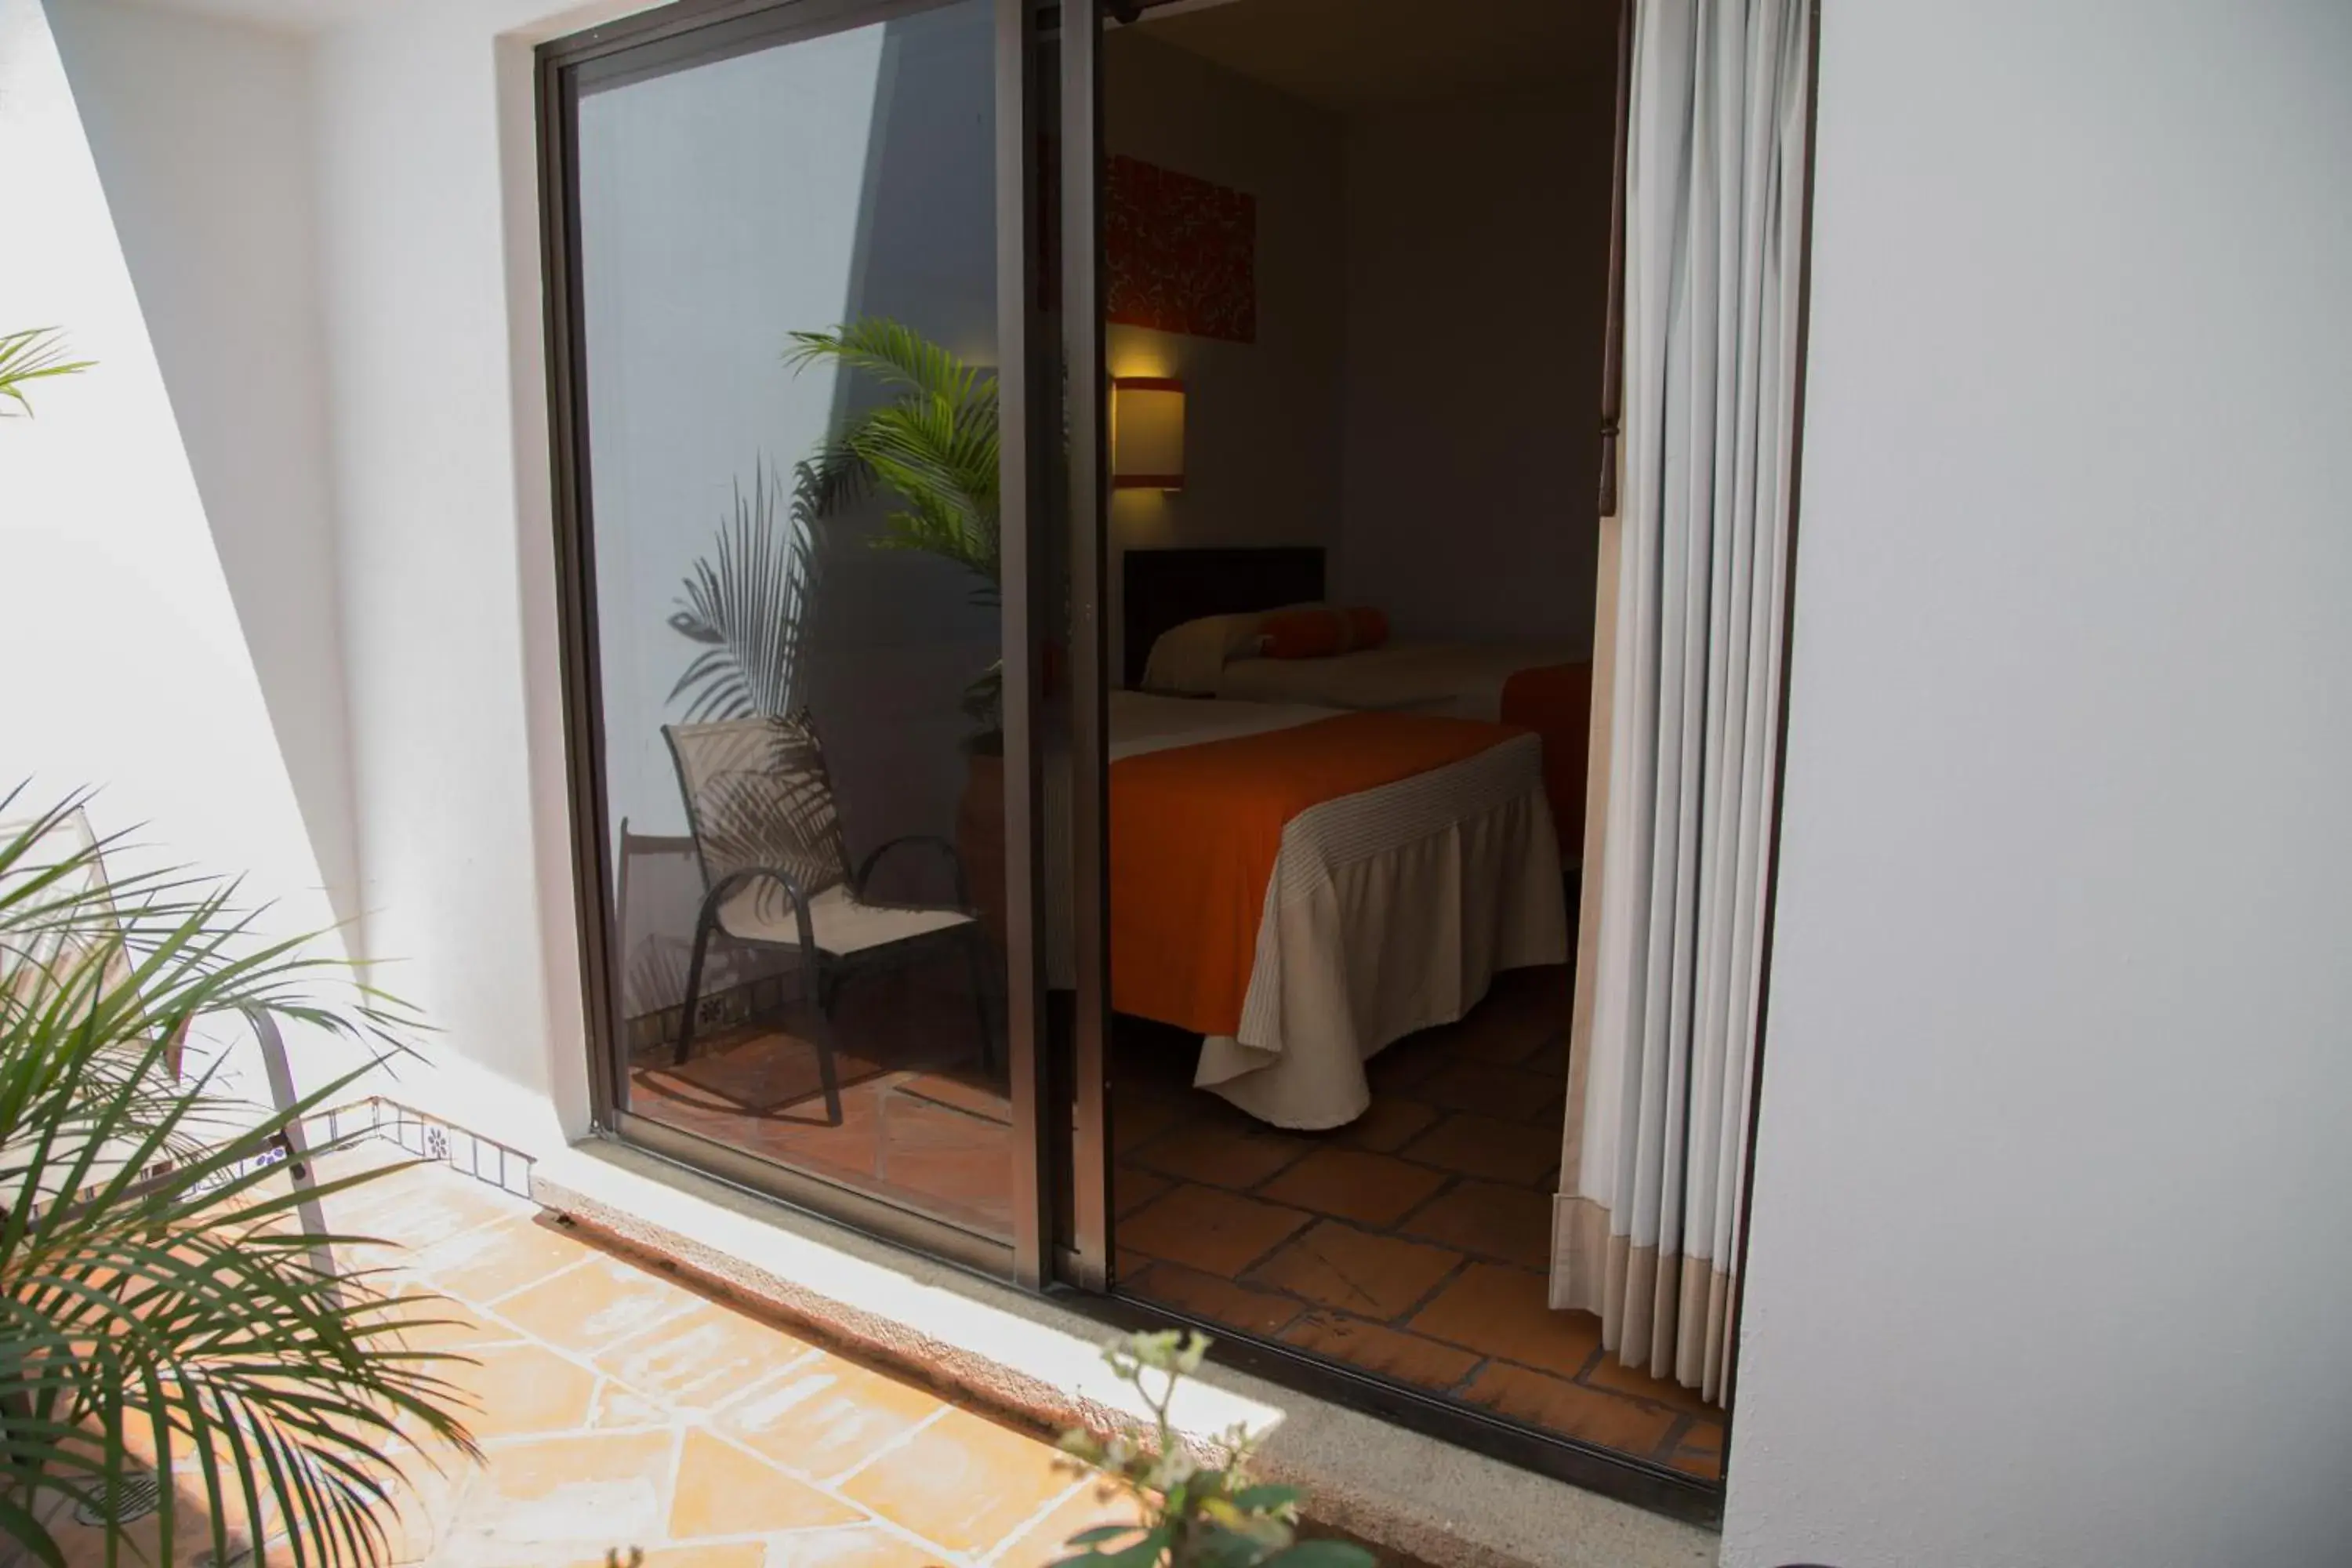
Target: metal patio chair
776 873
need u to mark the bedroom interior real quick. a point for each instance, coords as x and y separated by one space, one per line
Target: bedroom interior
1387 389
1307 1081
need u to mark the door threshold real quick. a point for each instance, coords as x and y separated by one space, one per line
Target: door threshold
1036 1360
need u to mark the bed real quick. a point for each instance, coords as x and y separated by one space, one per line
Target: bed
1301 885
1174 596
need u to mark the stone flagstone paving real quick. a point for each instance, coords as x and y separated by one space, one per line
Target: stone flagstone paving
621 1408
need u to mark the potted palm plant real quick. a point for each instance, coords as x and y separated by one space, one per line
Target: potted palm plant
931 447
173 1337
183 1360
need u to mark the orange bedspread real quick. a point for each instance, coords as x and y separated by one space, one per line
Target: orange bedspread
1194 831
1555 701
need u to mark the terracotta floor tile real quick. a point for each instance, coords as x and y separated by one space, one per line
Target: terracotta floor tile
558 1498
1506 1312
1370 1276
1488 1147
1232 1157
619 1406
1392 1122
1504 1092
1046 1541
1532 1005
962 1481
966 1091
1699 1452
1136 1119
1571 1409
521 1390
725 1554
1132 1187
1211 1297
702 1359
1404 1064
496 1260
439 1323
723 1490
1551 1059
1219 1231
1512 1225
1371 1189
948 1162
597 1304
421 1512
418 1205
850 1546
825 1415
1611 1373
1407 1357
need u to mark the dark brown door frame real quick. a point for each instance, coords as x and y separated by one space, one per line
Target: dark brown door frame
695 31
1080 53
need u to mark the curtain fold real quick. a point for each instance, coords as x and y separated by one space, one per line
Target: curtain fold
1645 1225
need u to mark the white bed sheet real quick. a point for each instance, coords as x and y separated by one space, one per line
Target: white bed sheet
1464 679
1387 912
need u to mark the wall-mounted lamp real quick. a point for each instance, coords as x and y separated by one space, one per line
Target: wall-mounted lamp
1147 433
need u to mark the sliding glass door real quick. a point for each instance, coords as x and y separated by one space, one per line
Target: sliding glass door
789 249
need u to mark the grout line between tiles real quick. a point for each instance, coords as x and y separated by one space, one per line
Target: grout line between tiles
1038 1516
1462 1263
490 1302
893 1445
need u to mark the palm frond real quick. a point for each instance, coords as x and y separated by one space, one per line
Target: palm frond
934 444
747 602
29 356
160 1304
891 352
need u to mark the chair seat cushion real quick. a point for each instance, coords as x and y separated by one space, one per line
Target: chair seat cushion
841 924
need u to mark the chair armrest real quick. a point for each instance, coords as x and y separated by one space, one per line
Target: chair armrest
930 840
729 885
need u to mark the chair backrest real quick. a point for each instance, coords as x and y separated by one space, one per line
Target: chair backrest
757 794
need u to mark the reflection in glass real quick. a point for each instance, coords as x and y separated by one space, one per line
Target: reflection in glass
787 262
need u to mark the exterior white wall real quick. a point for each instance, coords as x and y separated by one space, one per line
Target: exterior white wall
123 659
2050 1252
201 131
428 161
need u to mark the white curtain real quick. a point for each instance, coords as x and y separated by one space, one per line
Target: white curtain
1645 1223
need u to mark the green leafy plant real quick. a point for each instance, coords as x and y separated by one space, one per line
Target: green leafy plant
166 1321
1195 1515
748 603
933 446
29 356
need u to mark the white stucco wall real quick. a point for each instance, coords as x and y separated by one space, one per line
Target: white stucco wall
437 410
125 665
201 132
2051 1246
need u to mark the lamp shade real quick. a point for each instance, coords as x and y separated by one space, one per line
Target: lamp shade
1147 433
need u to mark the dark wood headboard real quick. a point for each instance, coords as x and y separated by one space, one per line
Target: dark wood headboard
1165 588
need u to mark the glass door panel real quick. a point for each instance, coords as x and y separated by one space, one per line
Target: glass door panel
786 334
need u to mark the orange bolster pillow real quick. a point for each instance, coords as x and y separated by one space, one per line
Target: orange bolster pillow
1322 633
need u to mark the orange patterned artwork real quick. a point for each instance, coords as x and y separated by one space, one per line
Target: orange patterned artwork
1180 254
